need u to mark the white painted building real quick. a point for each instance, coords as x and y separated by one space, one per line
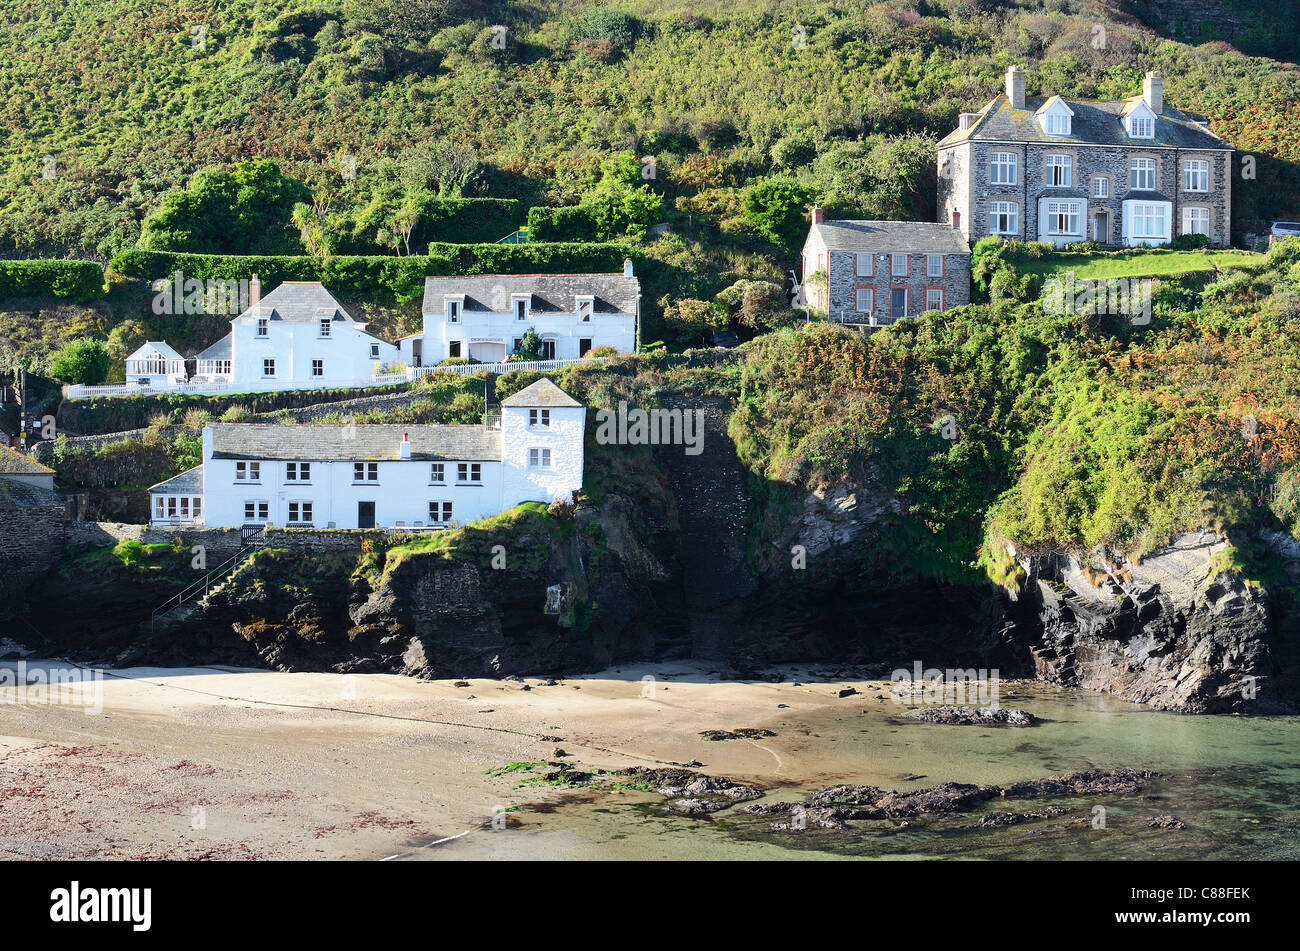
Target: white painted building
297 335
484 317
382 476
155 365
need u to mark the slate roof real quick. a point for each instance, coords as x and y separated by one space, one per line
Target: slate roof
901 237
551 293
359 443
541 393
22 495
189 482
164 350
1095 122
298 302
223 349
13 462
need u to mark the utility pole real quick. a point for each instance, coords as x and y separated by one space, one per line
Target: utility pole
22 409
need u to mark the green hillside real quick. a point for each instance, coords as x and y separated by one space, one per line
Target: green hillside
109 104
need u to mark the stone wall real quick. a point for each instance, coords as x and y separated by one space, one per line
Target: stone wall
31 543
844 282
217 540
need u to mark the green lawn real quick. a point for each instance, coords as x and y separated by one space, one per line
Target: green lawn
1136 263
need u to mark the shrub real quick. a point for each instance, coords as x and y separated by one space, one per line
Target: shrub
778 207
236 414
81 361
79 281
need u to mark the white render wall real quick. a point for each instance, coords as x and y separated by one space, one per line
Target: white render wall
564 437
402 494
604 330
293 346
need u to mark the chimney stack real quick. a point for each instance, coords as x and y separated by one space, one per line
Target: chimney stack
1153 92
818 216
1016 87
254 291
404 452
627 267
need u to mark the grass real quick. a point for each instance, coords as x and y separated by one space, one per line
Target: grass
1152 263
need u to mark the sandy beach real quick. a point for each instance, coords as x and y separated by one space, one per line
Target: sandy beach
221 763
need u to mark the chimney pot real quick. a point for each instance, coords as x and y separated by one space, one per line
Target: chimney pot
1016 87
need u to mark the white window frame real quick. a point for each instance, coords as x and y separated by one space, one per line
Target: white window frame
318 368
268 367
1196 176
261 511
870 295
248 472
298 472
1058 123
325 328
860 259
365 472
585 307
1140 170
1201 213
1148 212
304 512
1141 127
1055 162
934 265
539 419
440 512
1071 208
894 260
1003 168
1101 187
469 473
437 473
263 326
930 302
539 457
453 311
1004 209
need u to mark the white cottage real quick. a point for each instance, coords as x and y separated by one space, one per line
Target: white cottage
484 317
382 476
296 336
155 365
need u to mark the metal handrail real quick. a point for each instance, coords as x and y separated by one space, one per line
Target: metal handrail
204 583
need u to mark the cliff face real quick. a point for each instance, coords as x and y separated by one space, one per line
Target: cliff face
675 556
1178 629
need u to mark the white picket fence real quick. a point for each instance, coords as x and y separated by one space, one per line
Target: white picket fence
78 391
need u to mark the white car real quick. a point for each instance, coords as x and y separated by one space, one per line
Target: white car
1284 229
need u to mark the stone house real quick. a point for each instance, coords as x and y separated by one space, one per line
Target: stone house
1124 173
483 317
18 467
381 476
878 271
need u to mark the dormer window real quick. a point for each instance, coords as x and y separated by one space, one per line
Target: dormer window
521 308
585 306
325 326
1141 122
453 311
263 326
1056 117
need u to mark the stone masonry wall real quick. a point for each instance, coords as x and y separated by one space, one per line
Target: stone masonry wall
31 543
844 282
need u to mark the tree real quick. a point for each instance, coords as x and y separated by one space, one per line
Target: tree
688 320
81 361
400 21
530 347
778 207
757 305
245 211
621 203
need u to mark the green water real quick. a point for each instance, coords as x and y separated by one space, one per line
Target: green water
1234 782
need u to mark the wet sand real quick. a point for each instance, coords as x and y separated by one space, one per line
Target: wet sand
226 763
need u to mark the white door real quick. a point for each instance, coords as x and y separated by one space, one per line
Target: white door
487 351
